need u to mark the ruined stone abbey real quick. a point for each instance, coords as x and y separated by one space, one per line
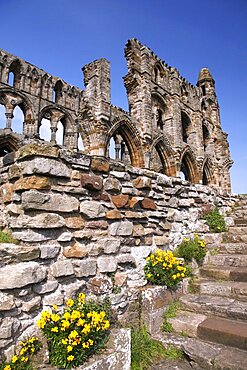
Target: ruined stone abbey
172 127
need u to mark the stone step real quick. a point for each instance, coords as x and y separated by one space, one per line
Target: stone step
224 273
234 260
214 305
213 329
229 248
202 355
233 236
230 289
240 222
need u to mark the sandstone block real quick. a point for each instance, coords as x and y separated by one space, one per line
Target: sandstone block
31 305
11 253
76 250
148 203
74 222
86 268
164 180
6 192
39 149
41 221
113 214
91 209
110 245
32 182
112 184
15 171
161 240
62 268
20 275
6 302
50 202
142 182
77 160
107 264
120 200
91 181
48 251
100 164
100 284
97 225
65 237
135 215
34 236
121 228
134 202
44 288
120 278
46 166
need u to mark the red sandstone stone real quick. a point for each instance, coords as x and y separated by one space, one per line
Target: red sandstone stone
148 203
92 182
120 200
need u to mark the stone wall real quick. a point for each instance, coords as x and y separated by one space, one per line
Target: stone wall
84 224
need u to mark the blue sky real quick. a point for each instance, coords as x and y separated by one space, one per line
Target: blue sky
61 36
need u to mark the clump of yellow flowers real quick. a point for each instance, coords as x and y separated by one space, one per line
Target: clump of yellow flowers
21 360
77 332
190 248
163 268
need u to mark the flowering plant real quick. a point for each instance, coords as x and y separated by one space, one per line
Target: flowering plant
77 333
21 360
191 248
163 268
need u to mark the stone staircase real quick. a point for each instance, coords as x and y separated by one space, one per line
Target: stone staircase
213 319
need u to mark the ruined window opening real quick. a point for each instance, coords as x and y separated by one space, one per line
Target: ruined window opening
118 149
60 132
17 120
57 92
45 129
160 123
203 90
11 79
206 136
185 172
2 116
205 180
185 127
80 144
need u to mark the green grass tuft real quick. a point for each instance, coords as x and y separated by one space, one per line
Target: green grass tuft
170 312
145 351
6 237
173 353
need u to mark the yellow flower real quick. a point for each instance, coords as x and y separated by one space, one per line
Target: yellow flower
75 315
14 359
23 350
64 341
41 323
66 315
65 324
182 274
90 341
81 297
55 317
55 307
7 367
86 329
85 345
73 334
55 329
24 359
70 302
174 277
80 322
70 358
69 348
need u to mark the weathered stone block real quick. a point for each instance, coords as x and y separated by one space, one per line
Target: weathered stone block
41 221
45 166
50 202
48 251
161 240
148 203
74 222
38 149
6 302
10 253
86 268
107 264
100 164
32 182
62 268
142 182
44 288
77 160
76 250
100 284
121 228
112 184
91 181
97 225
113 214
91 209
20 275
120 200
6 192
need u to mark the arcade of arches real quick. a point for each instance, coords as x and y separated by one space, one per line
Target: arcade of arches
172 126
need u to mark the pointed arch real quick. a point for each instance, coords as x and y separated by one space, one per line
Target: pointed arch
162 147
14 75
124 127
57 92
188 166
186 125
207 172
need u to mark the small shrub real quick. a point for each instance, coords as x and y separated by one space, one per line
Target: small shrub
163 268
191 248
170 312
215 221
6 237
77 333
22 359
145 351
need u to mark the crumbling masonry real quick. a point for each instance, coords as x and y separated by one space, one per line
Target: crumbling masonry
172 127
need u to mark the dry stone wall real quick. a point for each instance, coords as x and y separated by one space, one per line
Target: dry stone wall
84 224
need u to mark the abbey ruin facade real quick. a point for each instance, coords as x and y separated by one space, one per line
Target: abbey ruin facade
172 126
